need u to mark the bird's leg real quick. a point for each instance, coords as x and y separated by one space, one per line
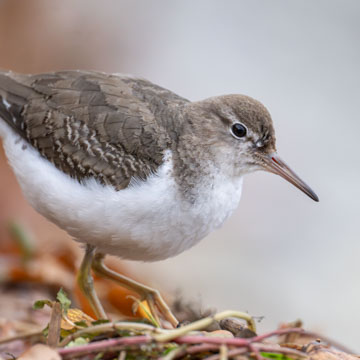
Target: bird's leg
152 296
86 282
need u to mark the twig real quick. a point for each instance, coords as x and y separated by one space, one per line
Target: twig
187 335
280 350
122 355
178 352
223 352
109 327
105 344
161 335
260 347
26 336
54 325
197 349
203 323
253 349
202 348
249 345
301 332
200 339
231 354
278 332
144 339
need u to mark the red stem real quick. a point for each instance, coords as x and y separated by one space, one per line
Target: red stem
190 339
105 344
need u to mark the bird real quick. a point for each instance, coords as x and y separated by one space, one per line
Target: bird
129 168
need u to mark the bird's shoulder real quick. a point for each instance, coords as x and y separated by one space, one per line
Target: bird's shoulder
110 127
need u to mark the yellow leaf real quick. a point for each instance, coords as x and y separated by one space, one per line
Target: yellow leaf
75 316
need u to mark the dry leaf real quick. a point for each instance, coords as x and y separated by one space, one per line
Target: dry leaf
75 316
219 333
322 352
40 352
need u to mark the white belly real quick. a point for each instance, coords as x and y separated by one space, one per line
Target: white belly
148 221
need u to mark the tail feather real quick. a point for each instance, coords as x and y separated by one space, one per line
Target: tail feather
13 97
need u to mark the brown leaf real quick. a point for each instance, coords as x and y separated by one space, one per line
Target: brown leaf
38 352
322 352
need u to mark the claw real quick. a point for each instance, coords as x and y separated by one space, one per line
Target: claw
135 305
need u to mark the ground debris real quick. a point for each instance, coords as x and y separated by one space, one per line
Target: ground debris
237 328
141 340
40 352
64 329
318 351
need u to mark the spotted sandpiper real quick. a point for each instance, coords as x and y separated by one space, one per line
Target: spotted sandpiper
129 168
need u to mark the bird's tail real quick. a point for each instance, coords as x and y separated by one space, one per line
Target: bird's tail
13 96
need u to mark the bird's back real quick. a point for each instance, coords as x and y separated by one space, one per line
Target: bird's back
90 124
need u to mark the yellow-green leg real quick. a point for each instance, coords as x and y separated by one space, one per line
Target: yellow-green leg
152 296
86 282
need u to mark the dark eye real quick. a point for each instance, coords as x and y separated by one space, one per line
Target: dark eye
238 130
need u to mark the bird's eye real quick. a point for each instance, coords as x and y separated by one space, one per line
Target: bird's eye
238 130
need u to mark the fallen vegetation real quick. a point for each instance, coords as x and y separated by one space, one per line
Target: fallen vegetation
52 328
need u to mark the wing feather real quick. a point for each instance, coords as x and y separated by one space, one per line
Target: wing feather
91 124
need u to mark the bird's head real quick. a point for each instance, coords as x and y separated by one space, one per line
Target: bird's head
239 132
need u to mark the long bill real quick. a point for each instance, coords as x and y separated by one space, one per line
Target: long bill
277 166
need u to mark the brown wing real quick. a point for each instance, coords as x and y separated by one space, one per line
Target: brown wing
90 124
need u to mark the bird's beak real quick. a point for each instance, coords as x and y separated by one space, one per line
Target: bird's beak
274 164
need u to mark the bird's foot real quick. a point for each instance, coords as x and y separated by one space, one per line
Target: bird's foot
152 296
157 306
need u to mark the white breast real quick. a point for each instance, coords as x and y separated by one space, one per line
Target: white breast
148 221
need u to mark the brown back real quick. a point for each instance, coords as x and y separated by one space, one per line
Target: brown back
91 124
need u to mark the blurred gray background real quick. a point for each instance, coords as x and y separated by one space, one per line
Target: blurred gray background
280 255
